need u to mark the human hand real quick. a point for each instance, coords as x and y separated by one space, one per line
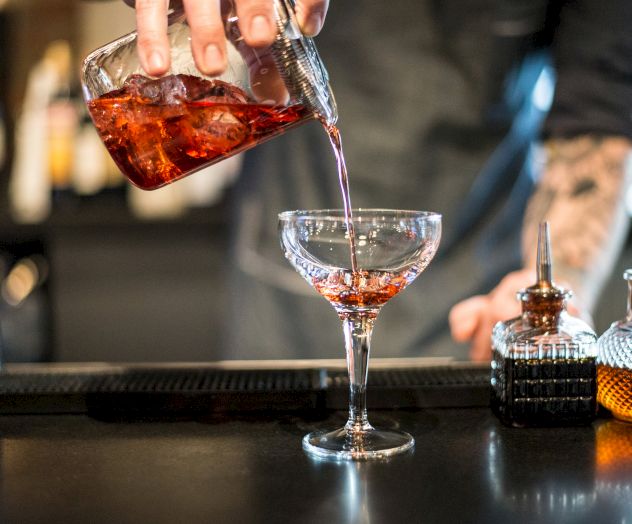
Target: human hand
208 40
473 319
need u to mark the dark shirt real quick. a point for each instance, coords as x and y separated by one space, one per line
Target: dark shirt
440 105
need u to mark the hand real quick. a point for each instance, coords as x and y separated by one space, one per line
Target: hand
208 41
474 318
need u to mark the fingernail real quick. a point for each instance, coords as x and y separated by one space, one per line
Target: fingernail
260 28
213 58
312 25
156 62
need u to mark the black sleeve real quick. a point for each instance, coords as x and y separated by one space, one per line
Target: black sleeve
592 53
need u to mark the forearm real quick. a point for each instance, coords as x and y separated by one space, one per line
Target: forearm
581 192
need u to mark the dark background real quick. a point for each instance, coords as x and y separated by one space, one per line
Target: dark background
119 288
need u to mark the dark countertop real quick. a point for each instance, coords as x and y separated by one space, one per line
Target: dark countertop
466 467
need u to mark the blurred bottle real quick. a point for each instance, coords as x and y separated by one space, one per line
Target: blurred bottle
3 140
24 307
92 169
44 135
62 121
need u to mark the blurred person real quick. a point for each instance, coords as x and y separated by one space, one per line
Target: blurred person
496 113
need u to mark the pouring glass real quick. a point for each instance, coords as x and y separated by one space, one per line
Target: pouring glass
159 130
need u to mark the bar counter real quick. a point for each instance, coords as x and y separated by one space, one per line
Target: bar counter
245 464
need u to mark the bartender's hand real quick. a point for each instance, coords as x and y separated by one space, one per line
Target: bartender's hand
473 319
208 41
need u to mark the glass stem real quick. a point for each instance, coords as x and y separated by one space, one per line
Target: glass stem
357 331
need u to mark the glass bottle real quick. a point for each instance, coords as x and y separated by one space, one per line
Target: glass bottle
614 364
543 362
159 130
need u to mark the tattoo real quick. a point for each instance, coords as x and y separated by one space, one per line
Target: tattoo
581 193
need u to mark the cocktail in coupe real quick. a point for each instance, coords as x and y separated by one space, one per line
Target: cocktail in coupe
389 249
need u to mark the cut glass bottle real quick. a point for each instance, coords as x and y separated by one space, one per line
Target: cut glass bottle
544 361
614 364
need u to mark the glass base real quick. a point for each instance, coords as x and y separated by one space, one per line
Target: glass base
342 444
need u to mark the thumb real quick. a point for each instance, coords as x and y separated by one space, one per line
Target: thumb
311 15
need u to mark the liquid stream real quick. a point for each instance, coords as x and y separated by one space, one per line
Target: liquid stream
343 178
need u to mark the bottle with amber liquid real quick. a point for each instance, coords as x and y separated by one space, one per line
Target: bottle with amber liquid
544 361
614 365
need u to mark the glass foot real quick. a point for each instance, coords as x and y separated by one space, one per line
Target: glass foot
342 444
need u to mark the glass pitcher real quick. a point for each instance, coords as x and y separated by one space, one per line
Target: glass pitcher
614 364
159 130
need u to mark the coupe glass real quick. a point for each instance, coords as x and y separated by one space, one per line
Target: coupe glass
391 248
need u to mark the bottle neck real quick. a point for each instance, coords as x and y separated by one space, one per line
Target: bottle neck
542 315
543 307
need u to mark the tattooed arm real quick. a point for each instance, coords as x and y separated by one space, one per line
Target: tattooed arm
584 179
582 194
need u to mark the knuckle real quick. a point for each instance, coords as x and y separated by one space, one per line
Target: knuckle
206 24
146 5
255 7
149 39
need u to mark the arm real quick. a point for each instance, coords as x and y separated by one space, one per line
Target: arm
586 173
582 193
208 41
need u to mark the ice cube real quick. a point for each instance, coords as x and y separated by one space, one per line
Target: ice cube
214 130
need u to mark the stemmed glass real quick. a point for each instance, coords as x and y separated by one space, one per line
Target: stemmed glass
389 248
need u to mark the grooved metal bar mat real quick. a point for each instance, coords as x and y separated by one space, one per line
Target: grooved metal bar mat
194 391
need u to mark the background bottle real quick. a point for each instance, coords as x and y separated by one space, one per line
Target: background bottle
614 367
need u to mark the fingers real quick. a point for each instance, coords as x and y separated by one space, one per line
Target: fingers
208 41
465 316
471 320
311 15
481 348
153 46
474 319
208 44
256 22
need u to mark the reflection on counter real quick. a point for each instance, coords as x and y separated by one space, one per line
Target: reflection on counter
357 493
353 486
551 488
614 464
